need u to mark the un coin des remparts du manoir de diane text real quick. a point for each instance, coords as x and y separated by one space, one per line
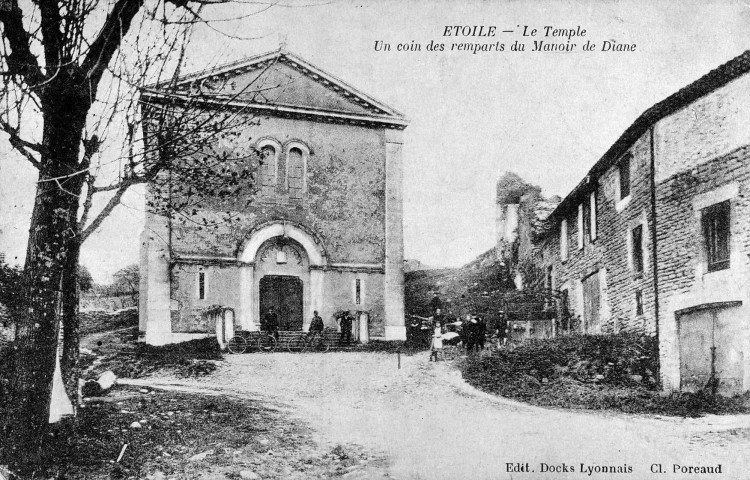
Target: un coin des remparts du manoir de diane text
546 38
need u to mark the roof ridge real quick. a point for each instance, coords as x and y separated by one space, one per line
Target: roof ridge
297 62
707 83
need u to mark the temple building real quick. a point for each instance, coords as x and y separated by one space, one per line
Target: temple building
321 232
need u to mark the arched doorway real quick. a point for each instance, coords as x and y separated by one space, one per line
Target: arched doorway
283 281
304 257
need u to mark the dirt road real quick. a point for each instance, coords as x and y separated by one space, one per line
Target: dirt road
431 425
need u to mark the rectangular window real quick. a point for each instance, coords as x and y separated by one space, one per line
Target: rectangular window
638 302
580 226
637 242
358 292
201 285
592 216
564 240
624 168
548 278
715 220
548 285
564 303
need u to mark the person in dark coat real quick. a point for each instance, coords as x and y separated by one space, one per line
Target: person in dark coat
436 304
469 333
345 321
316 325
413 331
271 323
481 333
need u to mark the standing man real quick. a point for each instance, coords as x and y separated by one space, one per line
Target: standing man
271 321
481 333
436 304
316 325
412 333
438 317
345 321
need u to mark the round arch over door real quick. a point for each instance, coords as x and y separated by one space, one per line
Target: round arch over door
301 255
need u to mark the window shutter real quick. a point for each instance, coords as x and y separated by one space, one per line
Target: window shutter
592 213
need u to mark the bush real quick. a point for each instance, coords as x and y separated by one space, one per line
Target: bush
591 372
391 346
193 358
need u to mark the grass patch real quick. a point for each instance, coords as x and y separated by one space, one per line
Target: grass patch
238 434
390 346
97 321
589 372
132 359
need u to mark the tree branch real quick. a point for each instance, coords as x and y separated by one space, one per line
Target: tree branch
51 22
110 37
111 204
21 145
20 60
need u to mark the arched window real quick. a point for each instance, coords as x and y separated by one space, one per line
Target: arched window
269 153
295 173
296 170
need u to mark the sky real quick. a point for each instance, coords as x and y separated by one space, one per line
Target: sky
548 116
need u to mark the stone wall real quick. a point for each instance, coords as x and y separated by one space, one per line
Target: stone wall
344 204
107 302
610 253
684 281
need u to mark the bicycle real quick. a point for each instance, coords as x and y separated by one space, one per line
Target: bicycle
267 342
316 343
237 344
296 344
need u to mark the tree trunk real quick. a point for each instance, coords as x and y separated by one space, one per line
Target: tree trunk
70 323
54 226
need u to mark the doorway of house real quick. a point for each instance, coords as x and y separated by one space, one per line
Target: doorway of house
711 349
284 294
592 303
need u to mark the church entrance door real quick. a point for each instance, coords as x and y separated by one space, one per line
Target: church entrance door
284 294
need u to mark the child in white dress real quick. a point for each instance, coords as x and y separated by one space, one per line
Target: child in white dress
437 341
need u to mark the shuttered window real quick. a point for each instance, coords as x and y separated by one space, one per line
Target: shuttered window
638 248
715 220
564 240
624 168
592 216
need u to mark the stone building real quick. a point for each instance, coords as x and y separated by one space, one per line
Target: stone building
324 229
521 223
656 237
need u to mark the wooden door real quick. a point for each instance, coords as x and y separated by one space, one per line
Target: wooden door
696 342
284 294
711 346
591 303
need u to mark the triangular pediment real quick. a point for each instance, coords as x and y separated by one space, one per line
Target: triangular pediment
284 80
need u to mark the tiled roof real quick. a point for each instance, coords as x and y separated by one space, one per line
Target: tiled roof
713 80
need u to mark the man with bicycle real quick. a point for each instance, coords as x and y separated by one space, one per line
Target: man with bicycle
315 338
316 325
271 323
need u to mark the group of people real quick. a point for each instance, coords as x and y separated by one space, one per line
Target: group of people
471 331
270 324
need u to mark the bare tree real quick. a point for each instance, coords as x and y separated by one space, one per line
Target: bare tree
71 74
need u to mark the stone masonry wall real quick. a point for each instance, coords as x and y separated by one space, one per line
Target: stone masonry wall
611 250
684 281
344 204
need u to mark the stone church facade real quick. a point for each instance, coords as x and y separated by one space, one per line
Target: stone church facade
323 230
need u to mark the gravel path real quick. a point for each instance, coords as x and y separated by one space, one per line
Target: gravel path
431 425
